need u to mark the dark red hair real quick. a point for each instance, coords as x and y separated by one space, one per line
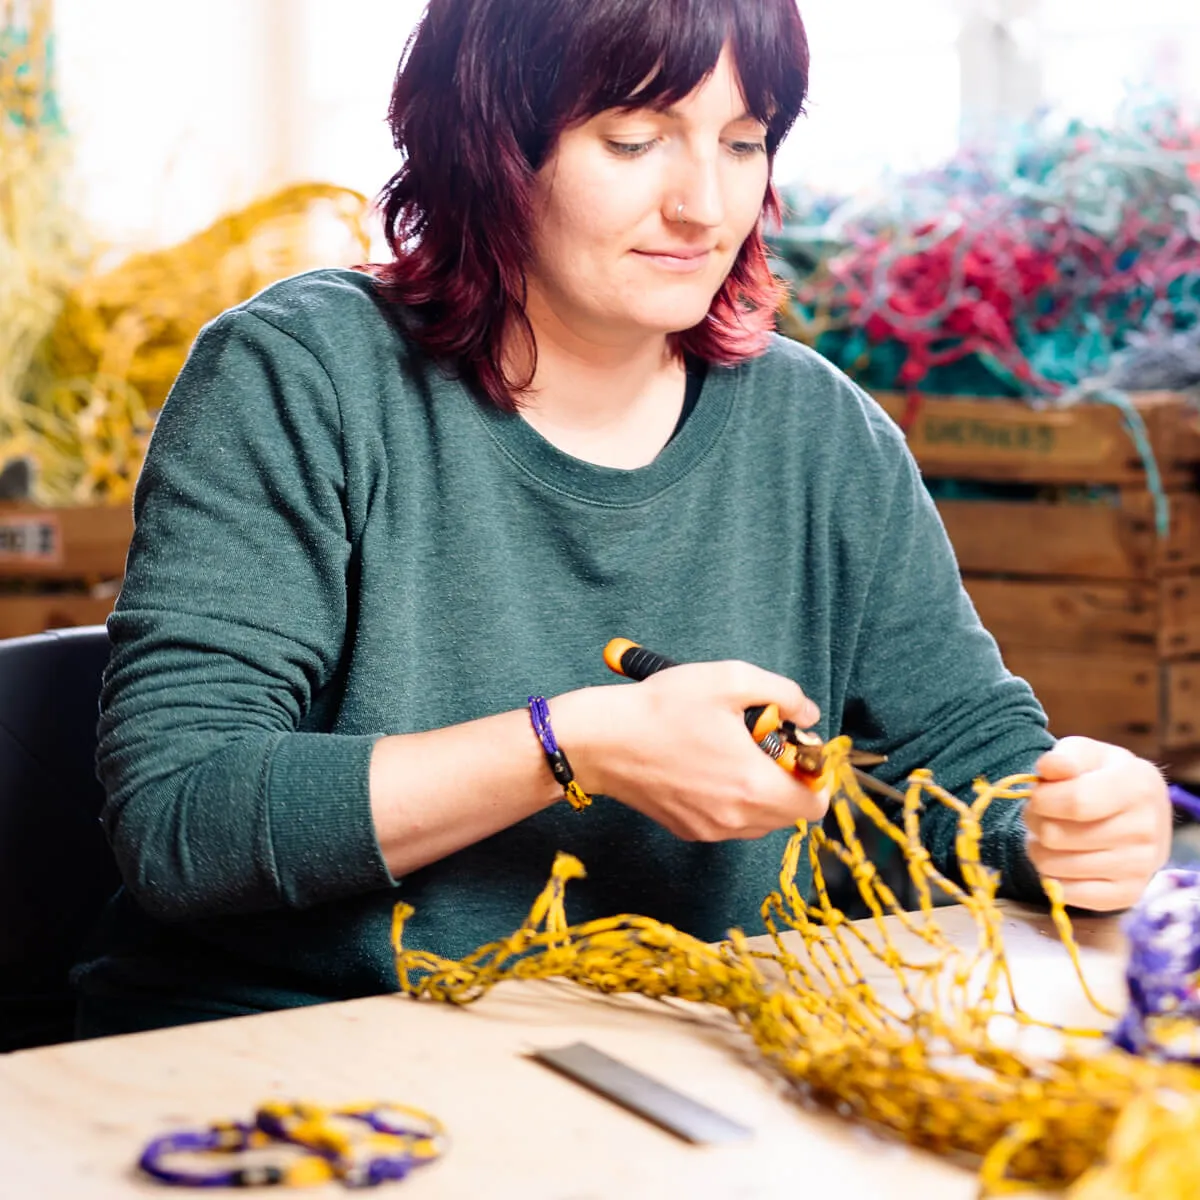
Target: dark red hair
483 91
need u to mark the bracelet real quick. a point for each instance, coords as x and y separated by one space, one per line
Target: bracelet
539 714
231 1138
384 1142
362 1146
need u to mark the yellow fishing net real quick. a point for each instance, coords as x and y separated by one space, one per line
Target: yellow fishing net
931 1065
122 336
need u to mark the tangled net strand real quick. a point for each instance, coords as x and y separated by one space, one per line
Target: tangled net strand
929 1068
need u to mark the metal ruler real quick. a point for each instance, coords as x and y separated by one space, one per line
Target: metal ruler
648 1098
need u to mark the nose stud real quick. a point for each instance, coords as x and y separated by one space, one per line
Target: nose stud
679 214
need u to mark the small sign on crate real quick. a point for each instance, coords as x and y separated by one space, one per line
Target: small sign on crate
967 437
31 539
60 566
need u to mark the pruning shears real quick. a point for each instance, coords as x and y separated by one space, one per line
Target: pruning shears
798 751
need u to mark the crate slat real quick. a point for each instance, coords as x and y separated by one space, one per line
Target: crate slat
1112 698
88 543
1148 706
1179 608
1182 692
1185 768
1068 615
23 615
1115 617
1084 541
1009 440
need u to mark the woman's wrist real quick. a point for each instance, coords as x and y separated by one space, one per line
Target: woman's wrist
578 723
556 758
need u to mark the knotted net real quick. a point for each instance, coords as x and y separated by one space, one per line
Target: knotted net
931 1064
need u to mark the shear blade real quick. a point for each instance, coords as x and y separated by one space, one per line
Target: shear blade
863 758
878 786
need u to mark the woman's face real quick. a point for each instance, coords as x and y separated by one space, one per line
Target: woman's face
612 262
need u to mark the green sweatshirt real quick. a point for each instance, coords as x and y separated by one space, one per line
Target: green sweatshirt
336 540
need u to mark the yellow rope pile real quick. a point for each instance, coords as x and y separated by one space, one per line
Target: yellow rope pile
121 337
929 1066
87 355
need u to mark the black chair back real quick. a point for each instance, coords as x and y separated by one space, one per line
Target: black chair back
56 869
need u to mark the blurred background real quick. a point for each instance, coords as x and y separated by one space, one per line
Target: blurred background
180 112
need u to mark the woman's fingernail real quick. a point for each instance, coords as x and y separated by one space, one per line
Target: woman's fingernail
811 714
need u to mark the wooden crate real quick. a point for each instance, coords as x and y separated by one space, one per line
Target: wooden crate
60 566
1087 601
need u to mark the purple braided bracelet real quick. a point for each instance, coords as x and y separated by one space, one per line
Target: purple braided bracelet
230 1139
539 714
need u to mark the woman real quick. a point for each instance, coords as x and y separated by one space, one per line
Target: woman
381 511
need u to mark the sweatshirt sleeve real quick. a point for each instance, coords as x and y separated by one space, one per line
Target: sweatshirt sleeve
230 624
928 687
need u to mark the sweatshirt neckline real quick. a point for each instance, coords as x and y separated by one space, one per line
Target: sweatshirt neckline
614 486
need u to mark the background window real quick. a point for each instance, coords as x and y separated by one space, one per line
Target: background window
182 111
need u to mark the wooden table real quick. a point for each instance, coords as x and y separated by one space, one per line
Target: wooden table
73 1118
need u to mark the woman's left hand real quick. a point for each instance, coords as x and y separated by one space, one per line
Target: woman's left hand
1099 822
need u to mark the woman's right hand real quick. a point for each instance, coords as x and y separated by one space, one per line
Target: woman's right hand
675 747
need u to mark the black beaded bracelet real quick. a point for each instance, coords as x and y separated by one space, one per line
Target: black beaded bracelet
539 714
